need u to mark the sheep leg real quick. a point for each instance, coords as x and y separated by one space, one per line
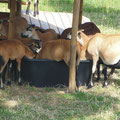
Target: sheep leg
98 72
105 75
35 7
77 82
104 71
91 83
9 73
15 71
36 3
111 72
19 72
1 82
3 63
1 77
28 7
4 72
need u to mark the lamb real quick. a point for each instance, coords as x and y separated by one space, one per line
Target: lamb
12 50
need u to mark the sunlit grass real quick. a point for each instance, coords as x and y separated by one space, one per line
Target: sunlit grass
104 13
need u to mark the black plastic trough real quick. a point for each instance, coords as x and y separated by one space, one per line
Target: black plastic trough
48 73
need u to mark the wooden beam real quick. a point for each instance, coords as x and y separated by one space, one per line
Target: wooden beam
12 6
80 12
3 1
18 13
72 71
6 1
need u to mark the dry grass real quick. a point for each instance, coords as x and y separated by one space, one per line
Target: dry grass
28 103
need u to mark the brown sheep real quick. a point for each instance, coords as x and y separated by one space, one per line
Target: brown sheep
89 29
34 45
20 26
45 36
81 37
41 29
58 50
12 50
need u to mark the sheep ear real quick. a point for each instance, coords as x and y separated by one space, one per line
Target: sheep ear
79 38
82 30
69 35
81 42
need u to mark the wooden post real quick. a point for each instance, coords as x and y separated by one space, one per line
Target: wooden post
12 7
72 71
80 12
18 13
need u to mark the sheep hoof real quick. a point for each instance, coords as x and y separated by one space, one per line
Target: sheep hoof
104 86
34 14
20 83
2 88
37 12
98 79
27 12
90 86
9 83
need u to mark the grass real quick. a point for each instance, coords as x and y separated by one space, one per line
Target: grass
28 103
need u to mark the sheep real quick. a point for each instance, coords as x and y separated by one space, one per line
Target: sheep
107 47
34 45
90 29
32 26
58 50
83 39
48 35
20 26
36 3
41 29
13 50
